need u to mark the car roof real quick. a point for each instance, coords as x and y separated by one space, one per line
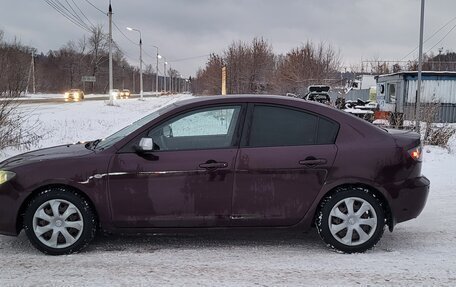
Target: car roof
241 99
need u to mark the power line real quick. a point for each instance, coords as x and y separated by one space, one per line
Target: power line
123 34
122 51
441 39
104 13
153 57
62 12
430 37
73 14
82 13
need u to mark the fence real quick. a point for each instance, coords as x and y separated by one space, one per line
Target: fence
446 113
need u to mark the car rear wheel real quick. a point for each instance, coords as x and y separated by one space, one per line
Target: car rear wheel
352 220
58 222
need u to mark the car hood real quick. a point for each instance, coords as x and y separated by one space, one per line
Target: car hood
57 152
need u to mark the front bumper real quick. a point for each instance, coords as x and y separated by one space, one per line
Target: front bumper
10 203
408 198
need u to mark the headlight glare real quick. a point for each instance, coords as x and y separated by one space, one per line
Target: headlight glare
6 176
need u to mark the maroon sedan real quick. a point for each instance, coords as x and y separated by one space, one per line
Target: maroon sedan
239 162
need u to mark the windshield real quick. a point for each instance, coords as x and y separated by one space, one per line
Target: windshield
115 137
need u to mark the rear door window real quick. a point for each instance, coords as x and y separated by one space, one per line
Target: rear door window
280 126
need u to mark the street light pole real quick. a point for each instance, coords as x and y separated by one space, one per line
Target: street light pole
164 75
111 96
156 72
420 68
170 79
140 63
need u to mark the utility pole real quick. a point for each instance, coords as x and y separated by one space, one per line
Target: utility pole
140 62
31 75
156 72
134 81
140 69
111 96
170 79
123 79
164 75
33 71
420 68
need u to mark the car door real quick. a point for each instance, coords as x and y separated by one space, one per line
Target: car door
282 164
187 180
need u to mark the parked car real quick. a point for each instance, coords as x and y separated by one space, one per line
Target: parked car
125 94
220 162
74 95
318 93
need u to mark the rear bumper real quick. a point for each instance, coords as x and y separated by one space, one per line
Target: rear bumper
408 198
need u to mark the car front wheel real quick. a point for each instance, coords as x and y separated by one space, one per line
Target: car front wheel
58 222
351 220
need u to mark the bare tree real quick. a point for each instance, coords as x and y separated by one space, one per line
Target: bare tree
98 45
208 81
306 65
14 64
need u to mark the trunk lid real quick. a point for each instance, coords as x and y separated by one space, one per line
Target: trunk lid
405 138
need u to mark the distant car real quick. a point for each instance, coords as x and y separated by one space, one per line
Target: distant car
115 93
318 93
240 162
125 94
74 95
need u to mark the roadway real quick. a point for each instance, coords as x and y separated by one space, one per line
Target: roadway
62 99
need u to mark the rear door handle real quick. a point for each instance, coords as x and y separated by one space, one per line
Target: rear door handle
311 161
213 165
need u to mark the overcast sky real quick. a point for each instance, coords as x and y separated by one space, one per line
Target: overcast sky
361 29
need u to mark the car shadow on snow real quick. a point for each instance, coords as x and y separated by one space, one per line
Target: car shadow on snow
309 242
206 240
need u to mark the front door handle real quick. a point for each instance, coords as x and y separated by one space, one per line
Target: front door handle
213 165
312 161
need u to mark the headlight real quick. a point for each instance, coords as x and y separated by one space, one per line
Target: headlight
76 95
67 95
6 176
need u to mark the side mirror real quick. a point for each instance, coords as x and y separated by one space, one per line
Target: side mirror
145 145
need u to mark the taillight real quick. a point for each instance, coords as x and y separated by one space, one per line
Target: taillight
416 153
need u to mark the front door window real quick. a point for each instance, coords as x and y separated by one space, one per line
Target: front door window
201 129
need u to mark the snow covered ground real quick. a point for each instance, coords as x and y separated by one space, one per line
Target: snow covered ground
418 252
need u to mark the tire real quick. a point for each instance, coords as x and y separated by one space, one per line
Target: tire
365 220
69 232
